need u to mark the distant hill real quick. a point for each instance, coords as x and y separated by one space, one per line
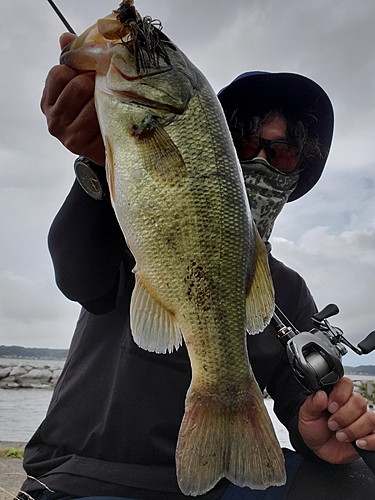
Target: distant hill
360 370
15 351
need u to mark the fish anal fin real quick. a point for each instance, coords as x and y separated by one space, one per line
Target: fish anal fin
218 440
260 300
161 157
154 328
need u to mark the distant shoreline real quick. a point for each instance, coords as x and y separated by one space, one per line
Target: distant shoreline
19 352
44 353
360 370
44 358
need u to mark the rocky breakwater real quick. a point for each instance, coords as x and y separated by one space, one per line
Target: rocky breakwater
28 376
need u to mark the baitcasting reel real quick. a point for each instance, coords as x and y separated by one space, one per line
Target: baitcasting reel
315 356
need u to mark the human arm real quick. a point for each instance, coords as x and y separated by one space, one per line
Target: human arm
87 249
323 420
306 416
85 240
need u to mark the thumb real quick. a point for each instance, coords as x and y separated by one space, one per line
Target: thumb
65 39
314 406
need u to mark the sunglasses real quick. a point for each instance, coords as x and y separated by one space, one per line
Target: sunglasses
280 154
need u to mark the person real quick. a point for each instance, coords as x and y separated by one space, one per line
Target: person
112 424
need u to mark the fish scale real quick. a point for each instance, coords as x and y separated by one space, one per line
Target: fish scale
201 270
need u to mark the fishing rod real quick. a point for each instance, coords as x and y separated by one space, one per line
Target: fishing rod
61 16
315 356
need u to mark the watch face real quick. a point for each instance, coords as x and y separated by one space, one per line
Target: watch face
88 180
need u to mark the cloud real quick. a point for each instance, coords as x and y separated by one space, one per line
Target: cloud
31 313
338 269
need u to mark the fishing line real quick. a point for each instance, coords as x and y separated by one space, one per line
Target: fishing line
65 22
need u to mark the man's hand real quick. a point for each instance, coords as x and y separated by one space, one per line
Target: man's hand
68 104
329 423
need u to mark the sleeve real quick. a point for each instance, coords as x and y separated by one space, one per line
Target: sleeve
87 249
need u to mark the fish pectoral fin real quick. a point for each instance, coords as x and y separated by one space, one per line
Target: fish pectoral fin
260 300
110 169
160 155
218 439
154 328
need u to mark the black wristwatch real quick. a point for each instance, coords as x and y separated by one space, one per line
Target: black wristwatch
91 178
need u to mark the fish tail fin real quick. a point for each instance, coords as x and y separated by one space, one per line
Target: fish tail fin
260 300
216 440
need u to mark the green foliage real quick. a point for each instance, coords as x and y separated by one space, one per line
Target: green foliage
12 453
14 351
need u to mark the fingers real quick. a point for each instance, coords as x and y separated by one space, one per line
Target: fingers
57 81
313 418
68 101
314 406
351 420
65 39
340 394
68 104
367 442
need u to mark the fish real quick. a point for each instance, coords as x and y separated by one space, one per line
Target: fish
201 273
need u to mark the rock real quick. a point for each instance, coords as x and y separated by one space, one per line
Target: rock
26 376
4 372
17 371
37 373
9 383
35 378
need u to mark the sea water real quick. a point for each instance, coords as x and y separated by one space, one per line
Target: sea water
22 411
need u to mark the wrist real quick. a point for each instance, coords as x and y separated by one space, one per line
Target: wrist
92 178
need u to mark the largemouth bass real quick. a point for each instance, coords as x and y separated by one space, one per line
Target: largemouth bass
201 270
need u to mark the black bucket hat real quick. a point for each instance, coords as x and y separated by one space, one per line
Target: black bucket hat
256 90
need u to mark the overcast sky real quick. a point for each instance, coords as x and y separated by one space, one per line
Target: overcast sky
328 236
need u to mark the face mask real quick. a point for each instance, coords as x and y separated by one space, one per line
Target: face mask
268 190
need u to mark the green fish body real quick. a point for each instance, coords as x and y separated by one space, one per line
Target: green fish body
201 268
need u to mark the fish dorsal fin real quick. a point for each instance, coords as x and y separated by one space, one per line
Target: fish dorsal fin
160 155
154 328
260 300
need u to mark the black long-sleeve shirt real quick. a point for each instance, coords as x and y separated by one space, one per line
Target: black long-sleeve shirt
112 425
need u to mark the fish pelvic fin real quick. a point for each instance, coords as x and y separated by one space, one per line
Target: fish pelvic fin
154 328
260 300
218 440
